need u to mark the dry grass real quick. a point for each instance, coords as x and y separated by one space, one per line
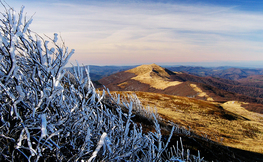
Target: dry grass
122 85
153 75
227 123
201 93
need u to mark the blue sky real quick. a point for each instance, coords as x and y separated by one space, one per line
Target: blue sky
133 32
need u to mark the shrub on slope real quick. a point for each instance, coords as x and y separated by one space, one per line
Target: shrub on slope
49 116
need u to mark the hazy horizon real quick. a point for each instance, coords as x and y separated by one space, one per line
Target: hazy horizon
250 65
137 32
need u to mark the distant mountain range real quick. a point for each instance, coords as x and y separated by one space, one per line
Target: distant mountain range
98 72
224 72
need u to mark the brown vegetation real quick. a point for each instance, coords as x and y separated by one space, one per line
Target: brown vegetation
153 75
228 123
153 78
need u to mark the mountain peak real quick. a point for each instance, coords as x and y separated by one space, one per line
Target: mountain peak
154 75
152 68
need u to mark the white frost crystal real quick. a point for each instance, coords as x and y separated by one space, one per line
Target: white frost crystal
43 125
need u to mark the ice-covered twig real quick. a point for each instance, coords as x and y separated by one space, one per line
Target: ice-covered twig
100 144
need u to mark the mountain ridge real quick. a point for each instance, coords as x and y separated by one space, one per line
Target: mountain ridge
154 75
153 78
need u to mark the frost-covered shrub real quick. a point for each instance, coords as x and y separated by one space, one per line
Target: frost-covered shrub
137 108
49 116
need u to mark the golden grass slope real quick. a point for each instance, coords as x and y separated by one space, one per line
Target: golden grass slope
235 107
228 123
153 75
201 93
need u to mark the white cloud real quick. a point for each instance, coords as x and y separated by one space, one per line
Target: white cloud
141 32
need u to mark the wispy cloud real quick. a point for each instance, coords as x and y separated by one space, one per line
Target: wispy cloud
139 32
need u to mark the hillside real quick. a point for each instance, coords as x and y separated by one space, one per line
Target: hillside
153 78
226 124
252 81
210 107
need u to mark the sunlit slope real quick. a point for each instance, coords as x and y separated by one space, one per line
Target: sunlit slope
153 75
228 123
153 78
